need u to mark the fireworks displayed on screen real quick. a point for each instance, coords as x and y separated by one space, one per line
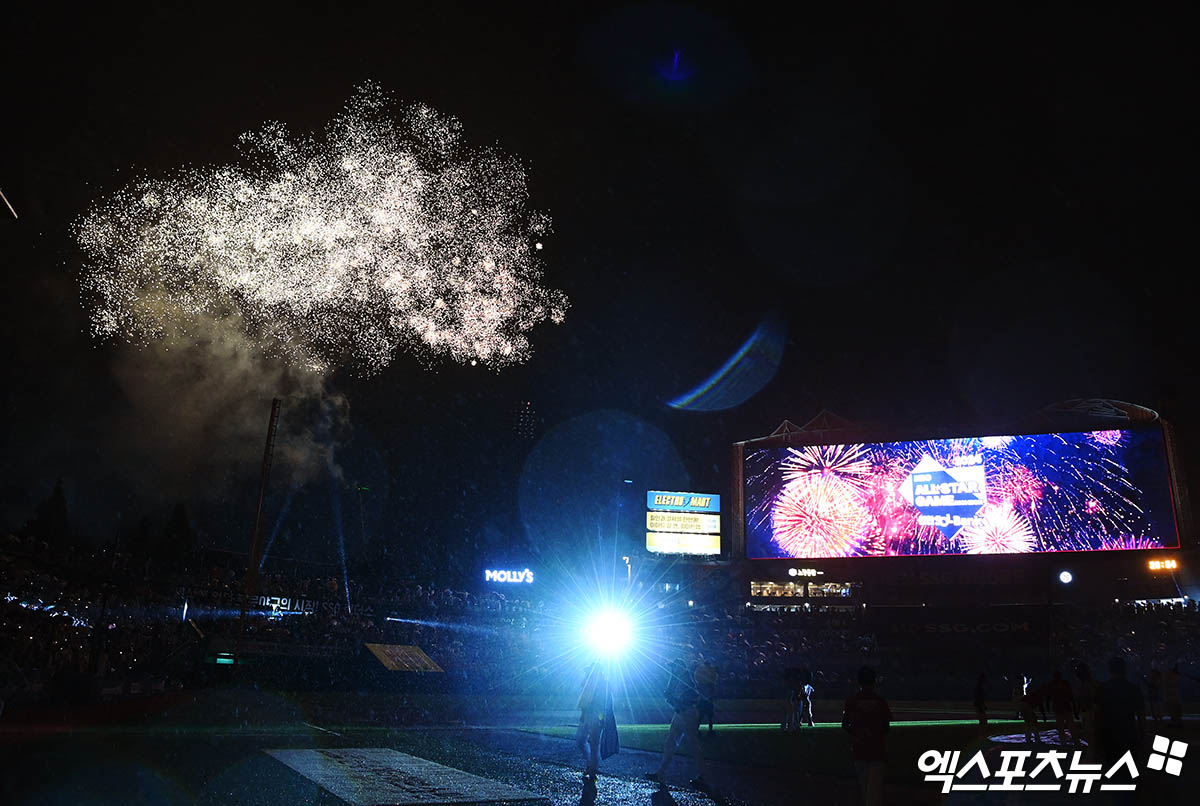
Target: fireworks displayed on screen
1043 492
385 234
1002 530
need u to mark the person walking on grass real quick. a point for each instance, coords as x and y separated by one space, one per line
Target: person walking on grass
1173 694
1120 713
706 686
1087 710
1062 704
683 698
867 718
981 703
1028 704
593 699
805 692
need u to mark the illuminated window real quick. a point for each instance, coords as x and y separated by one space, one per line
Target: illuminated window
775 589
833 590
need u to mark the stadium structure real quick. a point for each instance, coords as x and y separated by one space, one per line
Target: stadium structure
1136 558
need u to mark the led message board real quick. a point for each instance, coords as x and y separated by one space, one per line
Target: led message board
1022 494
683 523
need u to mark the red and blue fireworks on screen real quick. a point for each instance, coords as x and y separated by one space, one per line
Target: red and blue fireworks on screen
1084 491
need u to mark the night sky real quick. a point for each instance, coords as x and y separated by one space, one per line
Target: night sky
960 215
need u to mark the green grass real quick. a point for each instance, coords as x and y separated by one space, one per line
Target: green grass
823 749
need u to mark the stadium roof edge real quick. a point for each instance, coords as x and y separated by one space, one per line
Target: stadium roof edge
1078 414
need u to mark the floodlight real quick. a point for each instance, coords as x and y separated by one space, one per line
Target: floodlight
1065 577
609 632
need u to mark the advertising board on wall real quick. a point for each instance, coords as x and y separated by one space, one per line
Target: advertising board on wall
683 523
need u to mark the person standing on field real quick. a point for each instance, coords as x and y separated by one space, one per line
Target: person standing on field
867 718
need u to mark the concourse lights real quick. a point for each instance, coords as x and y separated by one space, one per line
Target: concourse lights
1065 577
609 632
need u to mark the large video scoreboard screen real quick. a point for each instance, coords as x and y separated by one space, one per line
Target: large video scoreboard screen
1085 491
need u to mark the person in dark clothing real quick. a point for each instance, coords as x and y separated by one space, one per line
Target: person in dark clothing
1029 704
867 718
1120 713
981 703
682 696
1154 692
1088 688
1062 704
592 700
804 694
706 685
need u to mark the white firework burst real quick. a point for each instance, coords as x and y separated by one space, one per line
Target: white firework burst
380 237
849 463
1003 530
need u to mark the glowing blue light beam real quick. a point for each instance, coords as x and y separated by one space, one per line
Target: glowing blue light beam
287 503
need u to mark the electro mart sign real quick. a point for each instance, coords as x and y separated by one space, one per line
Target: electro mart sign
682 502
505 575
683 523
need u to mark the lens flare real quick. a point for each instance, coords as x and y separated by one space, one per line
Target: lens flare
609 632
379 237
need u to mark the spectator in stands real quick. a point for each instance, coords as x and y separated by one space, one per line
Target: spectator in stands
867 718
1120 714
682 696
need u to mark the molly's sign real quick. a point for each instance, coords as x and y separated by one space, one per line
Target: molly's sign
508 576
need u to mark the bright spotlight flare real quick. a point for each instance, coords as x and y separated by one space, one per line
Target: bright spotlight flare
378 236
609 633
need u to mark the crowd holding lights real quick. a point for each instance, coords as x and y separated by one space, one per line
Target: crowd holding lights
383 234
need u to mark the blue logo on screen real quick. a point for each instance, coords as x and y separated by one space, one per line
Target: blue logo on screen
948 498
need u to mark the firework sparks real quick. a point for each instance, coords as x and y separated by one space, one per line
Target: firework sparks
1109 439
1002 531
818 515
850 463
377 238
1127 542
1018 485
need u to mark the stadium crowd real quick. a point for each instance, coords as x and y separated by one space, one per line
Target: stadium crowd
80 626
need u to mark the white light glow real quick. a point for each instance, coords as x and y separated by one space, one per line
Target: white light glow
609 632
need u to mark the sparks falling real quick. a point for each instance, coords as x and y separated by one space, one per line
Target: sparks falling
382 236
